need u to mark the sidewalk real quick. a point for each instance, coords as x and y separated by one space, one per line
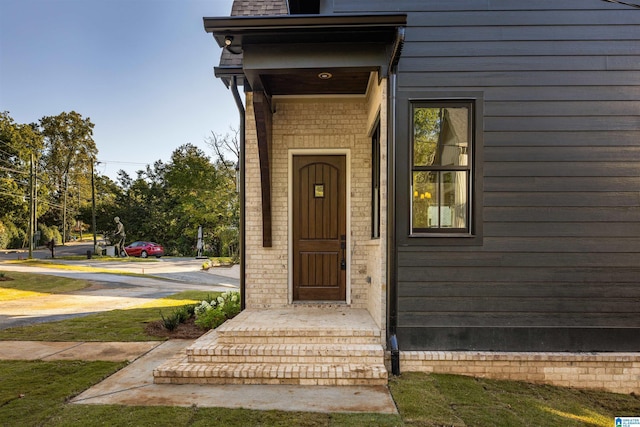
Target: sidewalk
133 385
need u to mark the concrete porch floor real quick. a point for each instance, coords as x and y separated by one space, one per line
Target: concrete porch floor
305 316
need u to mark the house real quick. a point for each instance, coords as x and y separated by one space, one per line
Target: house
465 173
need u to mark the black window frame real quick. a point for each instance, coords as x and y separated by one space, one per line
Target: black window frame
440 170
402 154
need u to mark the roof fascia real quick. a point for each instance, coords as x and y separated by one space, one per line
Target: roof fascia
238 26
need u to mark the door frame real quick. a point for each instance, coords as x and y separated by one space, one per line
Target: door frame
322 152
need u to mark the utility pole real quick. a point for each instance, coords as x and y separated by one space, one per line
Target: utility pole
35 200
64 208
93 210
31 206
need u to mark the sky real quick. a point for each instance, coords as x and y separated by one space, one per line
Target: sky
140 70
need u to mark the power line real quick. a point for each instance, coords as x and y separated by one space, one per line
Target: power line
637 6
123 163
14 170
25 196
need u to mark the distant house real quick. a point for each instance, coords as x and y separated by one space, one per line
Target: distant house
466 171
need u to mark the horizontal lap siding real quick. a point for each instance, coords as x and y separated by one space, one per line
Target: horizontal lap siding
559 264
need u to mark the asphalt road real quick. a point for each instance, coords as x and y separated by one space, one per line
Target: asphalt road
109 290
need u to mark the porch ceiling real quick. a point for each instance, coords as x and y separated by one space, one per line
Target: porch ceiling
333 81
284 55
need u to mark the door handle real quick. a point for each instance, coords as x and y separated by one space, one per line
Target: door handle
343 246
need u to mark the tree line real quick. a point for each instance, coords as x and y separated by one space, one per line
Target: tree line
49 185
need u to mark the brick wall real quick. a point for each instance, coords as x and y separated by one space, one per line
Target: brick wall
616 372
376 248
312 124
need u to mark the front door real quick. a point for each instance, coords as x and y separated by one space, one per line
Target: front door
319 228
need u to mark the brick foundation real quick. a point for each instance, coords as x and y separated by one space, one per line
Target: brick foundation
615 372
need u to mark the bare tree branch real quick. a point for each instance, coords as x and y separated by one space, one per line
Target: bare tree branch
224 146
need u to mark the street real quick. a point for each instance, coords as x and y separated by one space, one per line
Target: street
109 290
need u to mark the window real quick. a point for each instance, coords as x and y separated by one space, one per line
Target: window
375 183
442 146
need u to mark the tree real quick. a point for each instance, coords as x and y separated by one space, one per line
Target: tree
68 153
20 146
168 201
203 194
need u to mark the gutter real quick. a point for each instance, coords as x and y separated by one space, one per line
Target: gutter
242 249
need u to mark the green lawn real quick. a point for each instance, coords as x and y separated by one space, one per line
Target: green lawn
21 284
35 393
114 325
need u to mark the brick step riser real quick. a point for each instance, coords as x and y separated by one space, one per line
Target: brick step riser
190 373
272 381
339 360
231 340
336 333
215 349
322 332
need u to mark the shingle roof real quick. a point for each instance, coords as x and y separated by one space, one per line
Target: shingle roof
251 8
258 7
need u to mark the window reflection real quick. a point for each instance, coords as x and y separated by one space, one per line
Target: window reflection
441 172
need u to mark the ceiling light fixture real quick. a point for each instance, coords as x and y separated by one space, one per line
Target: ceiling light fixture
325 75
228 40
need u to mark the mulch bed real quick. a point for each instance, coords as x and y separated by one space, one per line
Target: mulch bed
186 330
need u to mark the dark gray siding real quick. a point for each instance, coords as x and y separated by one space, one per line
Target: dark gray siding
558 263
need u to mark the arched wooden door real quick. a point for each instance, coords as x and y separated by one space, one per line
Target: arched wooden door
319 228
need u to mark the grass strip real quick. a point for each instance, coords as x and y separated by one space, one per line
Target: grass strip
71 267
12 282
115 325
36 394
452 400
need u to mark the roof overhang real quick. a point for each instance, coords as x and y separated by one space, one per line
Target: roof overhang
286 54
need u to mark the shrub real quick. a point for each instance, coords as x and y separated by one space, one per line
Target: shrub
19 239
172 321
183 313
214 311
48 233
10 236
4 236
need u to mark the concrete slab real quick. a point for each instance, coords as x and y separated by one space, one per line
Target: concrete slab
32 350
41 350
110 351
134 385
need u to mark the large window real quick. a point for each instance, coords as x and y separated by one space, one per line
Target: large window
442 150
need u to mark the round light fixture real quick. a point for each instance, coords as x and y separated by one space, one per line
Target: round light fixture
325 75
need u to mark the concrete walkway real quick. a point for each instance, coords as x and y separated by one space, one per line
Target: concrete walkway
133 385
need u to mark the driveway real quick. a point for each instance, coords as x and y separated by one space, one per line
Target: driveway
110 290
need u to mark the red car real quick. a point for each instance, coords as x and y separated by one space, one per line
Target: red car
144 249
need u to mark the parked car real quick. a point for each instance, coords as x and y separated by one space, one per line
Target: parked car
144 249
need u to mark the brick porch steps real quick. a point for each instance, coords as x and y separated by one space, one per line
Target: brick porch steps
309 346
